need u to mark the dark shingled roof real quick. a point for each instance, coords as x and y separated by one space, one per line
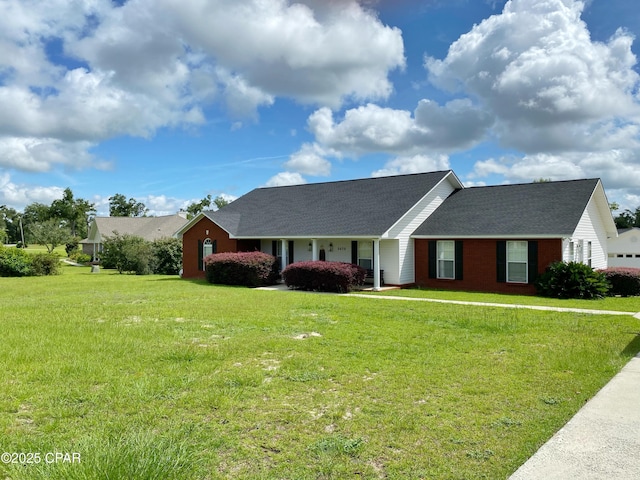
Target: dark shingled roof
532 209
346 208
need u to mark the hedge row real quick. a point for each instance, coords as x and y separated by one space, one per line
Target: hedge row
623 281
323 276
251 269
15 262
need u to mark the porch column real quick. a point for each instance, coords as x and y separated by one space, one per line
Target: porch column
376 265
315 255
285 254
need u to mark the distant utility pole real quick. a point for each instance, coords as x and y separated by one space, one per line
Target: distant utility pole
22 232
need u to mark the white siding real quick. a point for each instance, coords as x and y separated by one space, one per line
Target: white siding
407 261
402 230
590 229
389 261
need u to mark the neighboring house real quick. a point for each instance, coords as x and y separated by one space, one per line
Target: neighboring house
420 229
624 250
149 228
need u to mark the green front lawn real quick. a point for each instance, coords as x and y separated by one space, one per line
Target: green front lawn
627 304
157 377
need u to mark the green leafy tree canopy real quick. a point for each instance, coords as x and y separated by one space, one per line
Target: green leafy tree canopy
119 206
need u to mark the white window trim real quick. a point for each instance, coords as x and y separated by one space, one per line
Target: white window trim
439 273
365 258
207 249
526 263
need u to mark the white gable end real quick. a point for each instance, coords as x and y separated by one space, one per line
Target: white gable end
401 255
588 244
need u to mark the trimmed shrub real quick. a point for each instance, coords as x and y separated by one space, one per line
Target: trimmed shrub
323 276
167 256
14 262
624 281
46 264
80 257
251 269
572 280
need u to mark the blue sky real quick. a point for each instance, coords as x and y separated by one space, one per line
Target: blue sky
167 101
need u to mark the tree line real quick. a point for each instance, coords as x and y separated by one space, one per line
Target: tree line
68 219
628 218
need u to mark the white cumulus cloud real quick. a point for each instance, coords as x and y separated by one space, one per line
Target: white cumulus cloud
283 179
76 73
414 164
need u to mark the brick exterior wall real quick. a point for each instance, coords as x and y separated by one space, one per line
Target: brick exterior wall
198 232
479 266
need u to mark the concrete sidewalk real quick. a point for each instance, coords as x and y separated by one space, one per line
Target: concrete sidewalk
602 441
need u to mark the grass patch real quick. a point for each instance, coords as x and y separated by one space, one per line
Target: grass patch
35 248
625 304
157 377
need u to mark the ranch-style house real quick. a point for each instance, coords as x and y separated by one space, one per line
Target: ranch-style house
422 229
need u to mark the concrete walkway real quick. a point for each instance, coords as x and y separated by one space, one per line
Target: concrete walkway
602 441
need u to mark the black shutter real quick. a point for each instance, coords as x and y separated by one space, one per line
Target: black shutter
501 261
200 259
290 251
354 252
214 247
274 248
432 259
533 261
458 259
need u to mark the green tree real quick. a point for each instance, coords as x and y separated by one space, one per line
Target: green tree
10 222
50 233
628 219
197 207
75 212
35 213
119 206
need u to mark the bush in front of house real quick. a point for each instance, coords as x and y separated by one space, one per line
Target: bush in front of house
46 264
323 276
624 281
167 256
572 280
80 257
127 253
251 269
14 262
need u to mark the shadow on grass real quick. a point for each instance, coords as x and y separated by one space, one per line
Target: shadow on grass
633 348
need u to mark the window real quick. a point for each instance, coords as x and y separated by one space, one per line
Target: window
446 254
445 259
589 252
208 247
517 256
365 255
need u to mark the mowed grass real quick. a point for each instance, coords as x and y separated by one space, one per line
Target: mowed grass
621 304
157 377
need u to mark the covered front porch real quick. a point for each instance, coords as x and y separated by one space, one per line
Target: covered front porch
365 252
